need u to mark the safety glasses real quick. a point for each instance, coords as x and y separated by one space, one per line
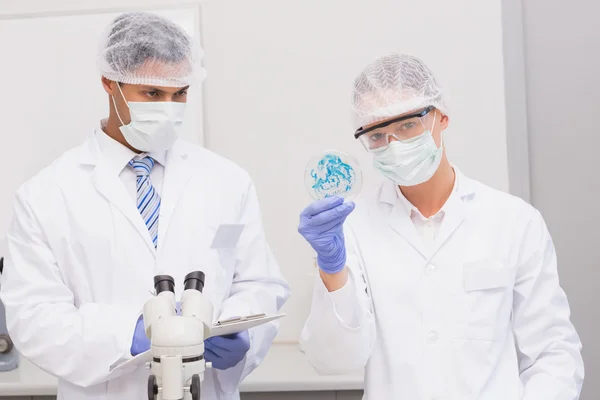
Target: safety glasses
402 128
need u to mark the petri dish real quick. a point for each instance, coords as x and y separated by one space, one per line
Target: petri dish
333 173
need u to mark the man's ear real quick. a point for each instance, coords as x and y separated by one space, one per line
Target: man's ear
444 121
109 86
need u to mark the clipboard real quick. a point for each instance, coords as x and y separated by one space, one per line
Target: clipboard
220 328
238 324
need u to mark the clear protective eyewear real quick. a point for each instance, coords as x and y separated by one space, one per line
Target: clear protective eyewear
403 128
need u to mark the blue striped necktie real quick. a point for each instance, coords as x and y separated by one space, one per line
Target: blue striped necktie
148 200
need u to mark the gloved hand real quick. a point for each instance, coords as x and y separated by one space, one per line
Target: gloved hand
321 224
140 342
226 351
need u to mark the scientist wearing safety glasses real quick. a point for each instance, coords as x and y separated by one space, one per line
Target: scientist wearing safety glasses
442 287
92 230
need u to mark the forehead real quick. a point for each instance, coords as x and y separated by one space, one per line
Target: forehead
152 88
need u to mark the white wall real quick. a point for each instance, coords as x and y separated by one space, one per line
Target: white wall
561 43
278 91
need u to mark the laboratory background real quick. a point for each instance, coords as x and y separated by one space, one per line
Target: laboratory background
522 84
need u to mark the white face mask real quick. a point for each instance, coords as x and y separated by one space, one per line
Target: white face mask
154 126
410 162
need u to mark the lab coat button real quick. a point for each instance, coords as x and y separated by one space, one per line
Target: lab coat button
431 268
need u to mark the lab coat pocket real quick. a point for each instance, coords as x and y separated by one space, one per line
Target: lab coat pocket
476 278
486 301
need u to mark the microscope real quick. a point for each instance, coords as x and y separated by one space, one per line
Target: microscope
177 341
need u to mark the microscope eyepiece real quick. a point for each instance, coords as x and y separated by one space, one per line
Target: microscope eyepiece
164 283
194 280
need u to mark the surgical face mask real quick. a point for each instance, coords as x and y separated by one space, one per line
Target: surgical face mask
410 162
154 125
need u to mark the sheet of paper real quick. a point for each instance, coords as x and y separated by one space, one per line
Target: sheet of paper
131 365
227 236
228 329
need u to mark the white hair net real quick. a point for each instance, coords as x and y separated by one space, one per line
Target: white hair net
146 49
394 85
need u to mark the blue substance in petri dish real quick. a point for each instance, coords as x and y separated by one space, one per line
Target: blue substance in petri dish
332 177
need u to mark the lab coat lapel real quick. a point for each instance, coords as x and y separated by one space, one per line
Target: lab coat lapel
178 171
453 218
399 219
455 210
111 187
108 184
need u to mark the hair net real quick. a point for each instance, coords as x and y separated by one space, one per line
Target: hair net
146 49
393 85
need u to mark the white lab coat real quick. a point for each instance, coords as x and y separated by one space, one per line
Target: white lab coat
81 265
481 316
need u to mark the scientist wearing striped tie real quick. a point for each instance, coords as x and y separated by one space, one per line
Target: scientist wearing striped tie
91 231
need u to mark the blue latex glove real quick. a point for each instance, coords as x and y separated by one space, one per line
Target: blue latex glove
140 342
226 351
321 224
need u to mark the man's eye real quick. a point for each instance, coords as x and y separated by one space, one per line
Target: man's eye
152 94
376 137
181 93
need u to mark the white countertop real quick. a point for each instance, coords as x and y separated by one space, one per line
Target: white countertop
284 369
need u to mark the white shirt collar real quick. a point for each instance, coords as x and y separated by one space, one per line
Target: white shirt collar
118 155
410 208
